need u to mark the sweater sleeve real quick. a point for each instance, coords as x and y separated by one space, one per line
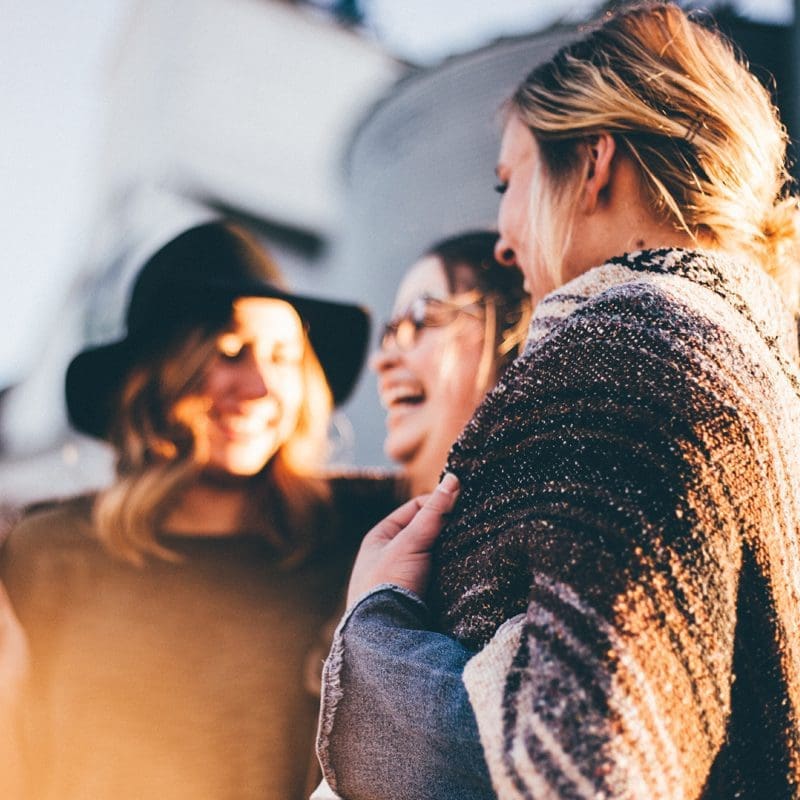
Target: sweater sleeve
618 479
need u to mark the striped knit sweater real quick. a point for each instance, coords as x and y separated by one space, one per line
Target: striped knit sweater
630 509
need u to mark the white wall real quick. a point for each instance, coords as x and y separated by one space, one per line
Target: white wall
243 103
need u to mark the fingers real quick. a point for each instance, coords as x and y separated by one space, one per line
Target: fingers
397 550
423 529
390 526
444 496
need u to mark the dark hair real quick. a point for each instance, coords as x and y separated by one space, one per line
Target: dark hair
469 263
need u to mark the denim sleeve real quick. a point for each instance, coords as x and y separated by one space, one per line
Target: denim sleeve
396 722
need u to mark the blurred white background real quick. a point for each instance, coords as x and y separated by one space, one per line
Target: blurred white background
122 120
56 58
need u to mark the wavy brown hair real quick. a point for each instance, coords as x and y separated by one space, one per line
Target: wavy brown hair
157 459
682 103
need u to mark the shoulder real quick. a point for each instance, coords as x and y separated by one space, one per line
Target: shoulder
691 295
623 348
50 527
658 315
48 559
618 333
615 297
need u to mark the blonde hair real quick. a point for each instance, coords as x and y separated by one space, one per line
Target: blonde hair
157 459
684 106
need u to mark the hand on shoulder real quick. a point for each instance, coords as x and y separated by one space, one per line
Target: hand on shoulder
398 549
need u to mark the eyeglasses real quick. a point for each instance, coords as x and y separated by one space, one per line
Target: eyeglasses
427 312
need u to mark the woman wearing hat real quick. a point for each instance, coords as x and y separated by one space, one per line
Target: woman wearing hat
169 619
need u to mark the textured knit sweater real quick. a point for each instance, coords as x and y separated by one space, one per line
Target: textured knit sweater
630 509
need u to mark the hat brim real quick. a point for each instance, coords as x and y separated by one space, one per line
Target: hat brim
338 332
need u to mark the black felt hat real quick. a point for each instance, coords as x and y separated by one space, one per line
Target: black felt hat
191 282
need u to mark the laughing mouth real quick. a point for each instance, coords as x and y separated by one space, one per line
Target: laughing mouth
402 396
243 427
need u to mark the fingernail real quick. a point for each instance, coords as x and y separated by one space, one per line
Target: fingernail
449 482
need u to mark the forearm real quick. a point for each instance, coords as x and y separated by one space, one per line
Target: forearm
396 720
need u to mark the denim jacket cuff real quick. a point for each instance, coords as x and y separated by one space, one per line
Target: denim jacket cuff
393 599
379 593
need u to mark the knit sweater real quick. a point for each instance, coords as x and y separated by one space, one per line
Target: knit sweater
630 508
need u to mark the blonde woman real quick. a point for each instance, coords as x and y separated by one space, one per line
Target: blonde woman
169 619
616 593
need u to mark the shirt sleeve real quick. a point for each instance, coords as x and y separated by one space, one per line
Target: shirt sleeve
396 722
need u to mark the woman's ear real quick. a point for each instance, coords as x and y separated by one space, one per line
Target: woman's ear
600 150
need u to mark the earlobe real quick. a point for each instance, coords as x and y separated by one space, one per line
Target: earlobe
600 151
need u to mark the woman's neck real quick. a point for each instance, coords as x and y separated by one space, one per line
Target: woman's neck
208 508
422 474
621 219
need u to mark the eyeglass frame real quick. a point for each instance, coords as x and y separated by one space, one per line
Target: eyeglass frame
414 320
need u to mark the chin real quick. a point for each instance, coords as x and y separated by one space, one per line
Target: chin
399 451
234 472
244 470
242 465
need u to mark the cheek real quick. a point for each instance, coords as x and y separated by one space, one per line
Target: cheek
506 218
291 396
458 364
520 203
435 361
454 362
517 224
216 383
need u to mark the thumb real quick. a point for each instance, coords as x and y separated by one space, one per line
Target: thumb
422 531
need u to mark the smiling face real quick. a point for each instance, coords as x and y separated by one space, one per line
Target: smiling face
249 400
430 388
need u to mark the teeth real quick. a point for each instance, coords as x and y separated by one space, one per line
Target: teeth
401 394
244 426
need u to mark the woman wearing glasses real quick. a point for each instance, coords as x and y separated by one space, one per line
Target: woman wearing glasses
460 318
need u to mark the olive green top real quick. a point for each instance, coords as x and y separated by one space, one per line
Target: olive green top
182 680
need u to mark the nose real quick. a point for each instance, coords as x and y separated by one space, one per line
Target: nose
385 357
504 253
252 379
